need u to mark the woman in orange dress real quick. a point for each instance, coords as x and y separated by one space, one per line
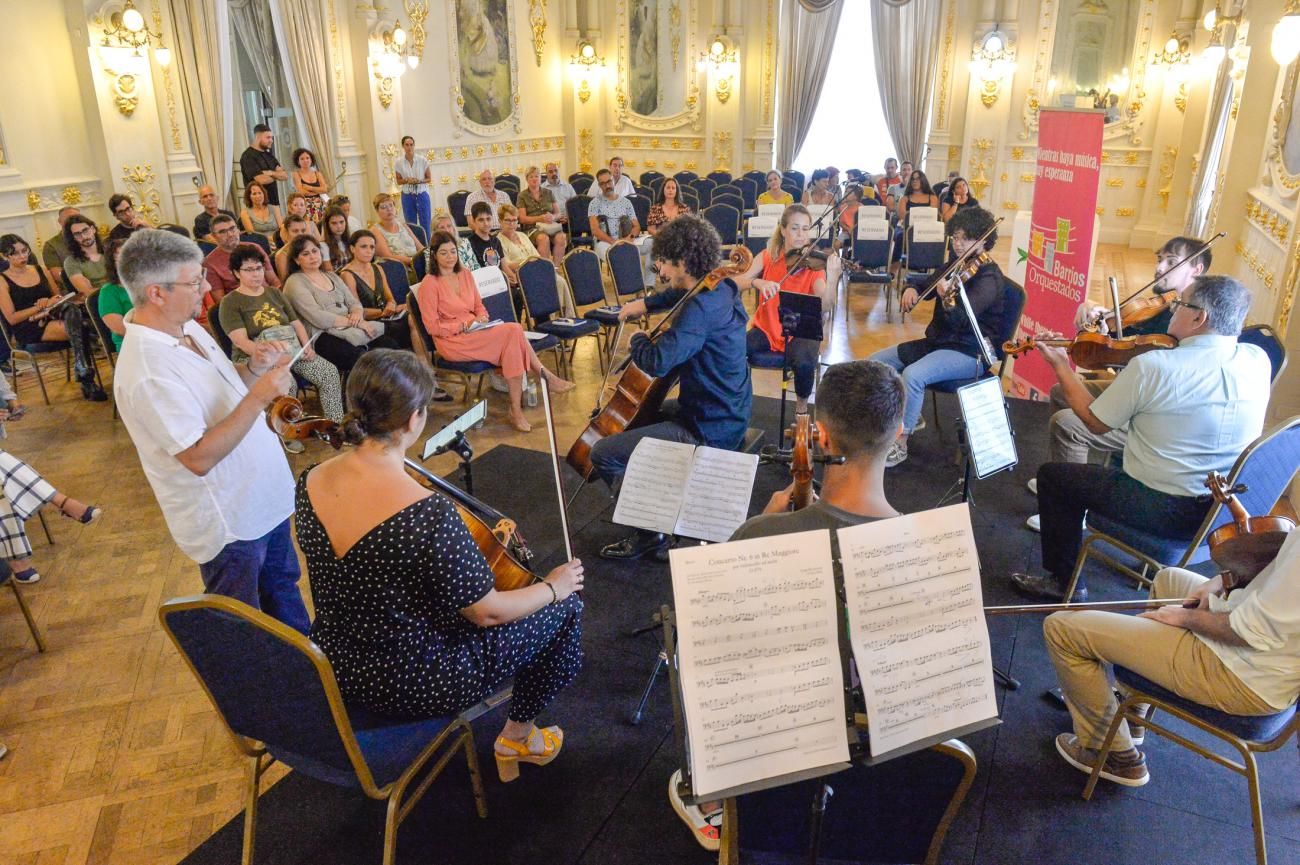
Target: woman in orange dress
450 307
766 275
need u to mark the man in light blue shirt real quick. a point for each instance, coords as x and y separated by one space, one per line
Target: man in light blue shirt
412 173
1189 411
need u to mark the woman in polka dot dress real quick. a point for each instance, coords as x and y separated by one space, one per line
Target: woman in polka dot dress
406 608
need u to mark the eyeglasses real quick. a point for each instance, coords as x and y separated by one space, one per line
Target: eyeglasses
126 208
195 284
1177 303
252 268
83 232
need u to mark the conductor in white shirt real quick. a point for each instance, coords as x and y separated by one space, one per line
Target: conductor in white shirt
219 473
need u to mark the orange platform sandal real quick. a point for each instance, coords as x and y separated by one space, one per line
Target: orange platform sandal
508 764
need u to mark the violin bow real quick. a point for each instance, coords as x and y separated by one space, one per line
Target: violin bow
957 263
1186 258
555 468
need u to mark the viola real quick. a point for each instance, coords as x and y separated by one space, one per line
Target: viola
1140 310
504 548
1097 351
1245 546
637 395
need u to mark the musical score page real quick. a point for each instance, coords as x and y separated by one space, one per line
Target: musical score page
759 662
916 624
678 488
988 429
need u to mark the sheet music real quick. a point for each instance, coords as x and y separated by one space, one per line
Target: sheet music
678 488
758 655
988 430
650 496
916 623
717 494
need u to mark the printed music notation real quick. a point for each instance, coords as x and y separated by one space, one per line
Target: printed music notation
758 653
988 430
697 492
916 623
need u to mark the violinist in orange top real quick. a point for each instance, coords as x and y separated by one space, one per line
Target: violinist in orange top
950 348
766 275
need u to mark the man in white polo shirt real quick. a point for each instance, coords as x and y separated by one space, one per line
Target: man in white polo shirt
487 192
196 419
1189 410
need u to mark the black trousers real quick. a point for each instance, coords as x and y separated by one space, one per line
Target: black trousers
344 354
1067 491
805 354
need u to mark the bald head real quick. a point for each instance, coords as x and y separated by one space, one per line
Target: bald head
208 198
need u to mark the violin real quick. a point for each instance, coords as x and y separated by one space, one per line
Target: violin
1245 546
1134 311
960 269
637 395
504 548
1095 350
812 258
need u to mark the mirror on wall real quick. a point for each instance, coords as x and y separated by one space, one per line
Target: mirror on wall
657 65
1291 136
1091 55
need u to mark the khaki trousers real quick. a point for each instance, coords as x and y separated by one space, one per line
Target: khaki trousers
1071 440
1083 645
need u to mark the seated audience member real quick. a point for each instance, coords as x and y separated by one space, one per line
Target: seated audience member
203 222
56 248
368 284
483 245
443 222
394 238
918 194
310 182
623 184
668 207
344 203
450 307
560 189
221 275
324 303
515 247
1189 411
23 492
84 266
848 215
412 575
296 205
295 226
957 197
259 216
114 300
256 312
774 194
819 191
886 180
1070 440
1239 655
611 215
487 193
860 406
768 276
541 217
950 348
127 219
334 228
27 303
832 177
944 185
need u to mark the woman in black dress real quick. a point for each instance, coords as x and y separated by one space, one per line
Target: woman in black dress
406 608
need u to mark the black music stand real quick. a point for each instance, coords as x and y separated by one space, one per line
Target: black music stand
801 318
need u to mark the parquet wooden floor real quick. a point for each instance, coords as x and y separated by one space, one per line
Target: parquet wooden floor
115 756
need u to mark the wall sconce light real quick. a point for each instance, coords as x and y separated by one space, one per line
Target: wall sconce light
123 51
992 59
1177 51
1285 46
1214 19
1212 56
417 11
723 58
587 66
389 58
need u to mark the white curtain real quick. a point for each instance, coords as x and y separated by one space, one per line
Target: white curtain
300 33
252 22
804 53
1203 186
906 49
203 65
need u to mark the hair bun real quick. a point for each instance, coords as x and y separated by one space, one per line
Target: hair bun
354 430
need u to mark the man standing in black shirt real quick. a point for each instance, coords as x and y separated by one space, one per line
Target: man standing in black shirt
259 165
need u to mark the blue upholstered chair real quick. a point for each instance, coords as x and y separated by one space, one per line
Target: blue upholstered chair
1248 734
541 290
259 240
587 289
418 230
1265 467
456 207
725 218
576 208
275 691
719 177
1266 338
399 282
641 206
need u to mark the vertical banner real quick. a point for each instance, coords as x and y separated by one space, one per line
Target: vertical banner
1060 235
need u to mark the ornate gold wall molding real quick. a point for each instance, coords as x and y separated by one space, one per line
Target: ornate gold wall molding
675 24
1277 175
769 62
1167 162
47 199
168 95
1262 269
417 11
537 21
945 67
979 164
340 88
585 153
691 112
722 151
141 181
1268 220
388 155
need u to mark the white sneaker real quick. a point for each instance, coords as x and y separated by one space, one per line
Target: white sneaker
1033 487
920 424
706 829
1034 524
897 454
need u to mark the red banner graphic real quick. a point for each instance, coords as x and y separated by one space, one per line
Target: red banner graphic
1060 237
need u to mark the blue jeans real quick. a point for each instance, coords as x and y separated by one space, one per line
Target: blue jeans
262 573
417 208
942 365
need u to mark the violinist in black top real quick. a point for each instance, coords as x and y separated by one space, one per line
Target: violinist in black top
705 347
950 349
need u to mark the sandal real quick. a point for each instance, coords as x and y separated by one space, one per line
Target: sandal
92 512
508 764
707 828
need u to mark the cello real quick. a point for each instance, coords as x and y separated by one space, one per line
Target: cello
496 536
637 395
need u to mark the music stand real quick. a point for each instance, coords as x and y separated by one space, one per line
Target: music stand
451 438
801 318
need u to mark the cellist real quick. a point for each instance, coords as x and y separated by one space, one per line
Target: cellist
705 348
860 410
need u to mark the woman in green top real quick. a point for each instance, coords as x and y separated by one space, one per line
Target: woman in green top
255 312
114 302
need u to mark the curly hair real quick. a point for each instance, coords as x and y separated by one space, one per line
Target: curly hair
973 222
299 152
692 242
74 248
245 252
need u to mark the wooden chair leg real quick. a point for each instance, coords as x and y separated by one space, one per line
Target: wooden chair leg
27 614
